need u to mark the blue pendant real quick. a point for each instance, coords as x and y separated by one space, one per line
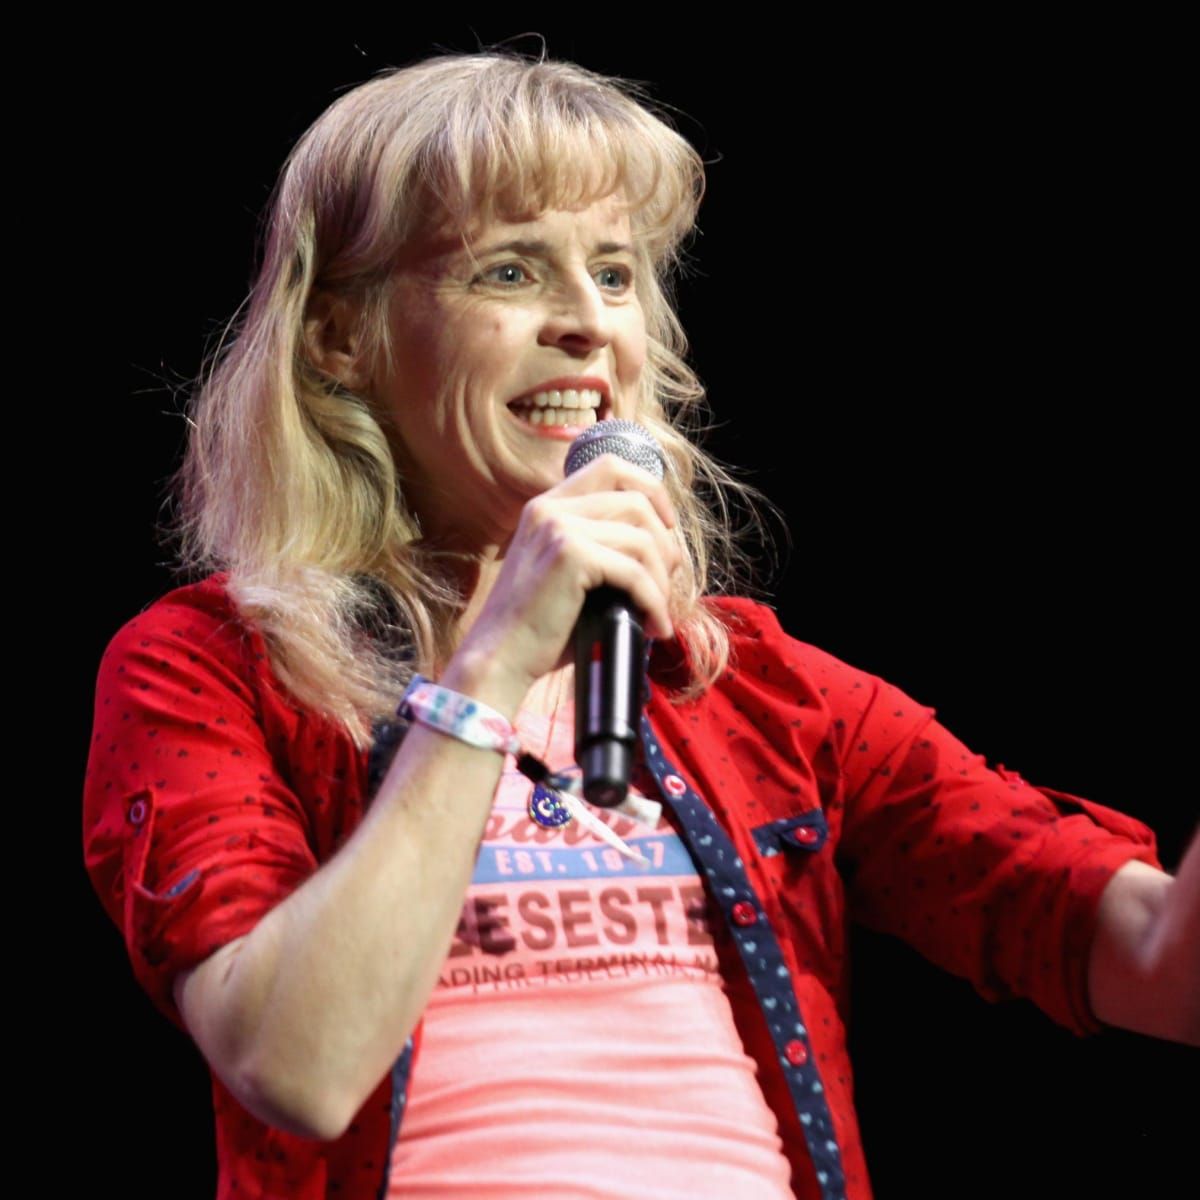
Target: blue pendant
546 809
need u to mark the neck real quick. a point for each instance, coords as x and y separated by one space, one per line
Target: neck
469 567
551 693
473 570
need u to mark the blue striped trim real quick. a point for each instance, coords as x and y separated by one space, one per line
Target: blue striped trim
718 859
401 1070
386 741
776 836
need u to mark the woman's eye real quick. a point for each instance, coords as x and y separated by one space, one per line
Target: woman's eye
613 278
506 273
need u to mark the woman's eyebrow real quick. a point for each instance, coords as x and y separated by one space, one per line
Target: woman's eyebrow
536 248
517 246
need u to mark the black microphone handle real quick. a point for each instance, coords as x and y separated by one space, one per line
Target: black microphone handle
609 640
609 654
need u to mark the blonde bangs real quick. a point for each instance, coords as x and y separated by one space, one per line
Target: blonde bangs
537 146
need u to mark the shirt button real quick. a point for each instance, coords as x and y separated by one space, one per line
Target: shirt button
796 1052
805 833
674 785
137 812
744 913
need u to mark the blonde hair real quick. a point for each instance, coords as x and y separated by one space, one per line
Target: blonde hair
289 484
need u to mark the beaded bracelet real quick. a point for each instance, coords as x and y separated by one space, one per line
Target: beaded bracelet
557 795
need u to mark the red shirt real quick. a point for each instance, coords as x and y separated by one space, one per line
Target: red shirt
809 794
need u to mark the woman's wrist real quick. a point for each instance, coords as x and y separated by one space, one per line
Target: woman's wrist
474 672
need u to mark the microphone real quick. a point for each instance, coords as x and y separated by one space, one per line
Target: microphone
609 640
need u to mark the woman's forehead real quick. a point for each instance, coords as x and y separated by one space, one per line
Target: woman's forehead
605 221
609 211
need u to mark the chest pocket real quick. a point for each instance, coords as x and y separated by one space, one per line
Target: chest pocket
806 833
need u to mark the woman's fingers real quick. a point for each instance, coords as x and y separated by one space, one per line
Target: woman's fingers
644 587
645 574
609 523
611 474
634 510
572 555
566 529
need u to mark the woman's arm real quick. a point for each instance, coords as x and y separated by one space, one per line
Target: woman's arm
1144 966
304 1015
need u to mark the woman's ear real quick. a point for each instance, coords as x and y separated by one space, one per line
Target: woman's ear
333 339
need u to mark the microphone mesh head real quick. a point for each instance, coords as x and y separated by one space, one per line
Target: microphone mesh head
625 439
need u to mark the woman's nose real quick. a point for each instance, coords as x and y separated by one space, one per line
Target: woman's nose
577 318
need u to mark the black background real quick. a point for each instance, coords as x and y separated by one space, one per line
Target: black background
936 302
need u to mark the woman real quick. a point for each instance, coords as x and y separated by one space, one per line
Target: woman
466 266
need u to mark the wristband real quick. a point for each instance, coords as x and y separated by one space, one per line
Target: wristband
557 795
458 716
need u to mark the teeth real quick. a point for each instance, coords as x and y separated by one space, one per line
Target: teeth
574 418
570 408
568 399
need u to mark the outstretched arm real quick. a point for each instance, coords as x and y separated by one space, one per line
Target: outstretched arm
1144 968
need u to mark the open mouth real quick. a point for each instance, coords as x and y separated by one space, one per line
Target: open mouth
566 409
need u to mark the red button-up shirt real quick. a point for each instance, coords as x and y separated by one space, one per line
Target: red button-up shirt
809 794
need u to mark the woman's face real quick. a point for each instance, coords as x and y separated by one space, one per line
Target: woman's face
504 350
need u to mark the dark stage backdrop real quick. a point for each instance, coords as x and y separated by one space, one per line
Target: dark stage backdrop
935 301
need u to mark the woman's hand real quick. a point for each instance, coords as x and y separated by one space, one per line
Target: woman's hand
1144 964
608 523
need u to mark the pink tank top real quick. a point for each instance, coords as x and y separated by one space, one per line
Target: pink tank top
579 1042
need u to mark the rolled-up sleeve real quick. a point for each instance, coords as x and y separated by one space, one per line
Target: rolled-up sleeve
993 879
191 832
